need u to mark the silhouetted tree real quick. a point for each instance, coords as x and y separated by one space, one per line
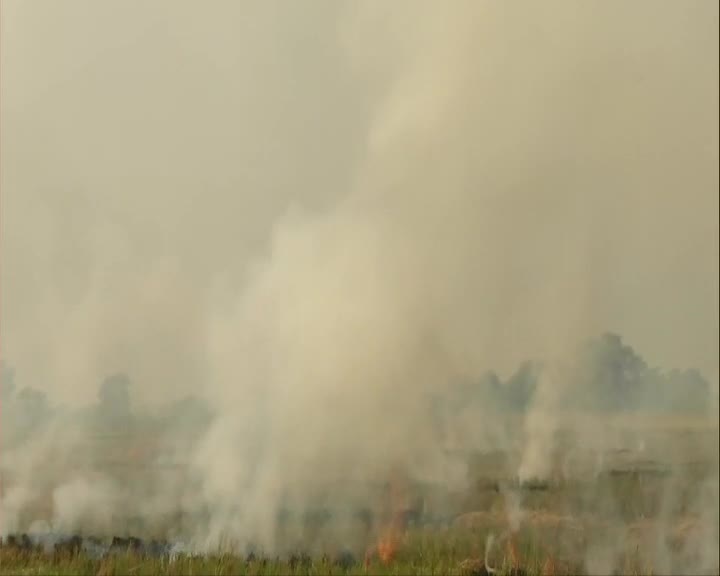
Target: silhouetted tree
519 389
31 412
7 382
114 401
610 375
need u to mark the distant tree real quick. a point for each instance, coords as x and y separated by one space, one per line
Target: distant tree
519 389
114 401
605 375
190 413
33 402
7 382
31 412
489 387
610 374
682 391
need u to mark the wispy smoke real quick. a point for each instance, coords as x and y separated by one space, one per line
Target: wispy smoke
328 227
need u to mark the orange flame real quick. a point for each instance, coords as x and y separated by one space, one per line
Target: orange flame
512 551
387 548
549 568
389 542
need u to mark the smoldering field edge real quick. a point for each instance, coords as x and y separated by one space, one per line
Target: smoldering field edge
643 469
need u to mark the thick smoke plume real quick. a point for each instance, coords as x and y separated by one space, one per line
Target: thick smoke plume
326 225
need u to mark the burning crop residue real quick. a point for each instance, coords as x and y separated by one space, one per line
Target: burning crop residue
361 237
96 548
394 522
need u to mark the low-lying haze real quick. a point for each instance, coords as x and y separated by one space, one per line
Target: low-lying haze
318 217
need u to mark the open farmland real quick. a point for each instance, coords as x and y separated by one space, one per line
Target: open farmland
625 511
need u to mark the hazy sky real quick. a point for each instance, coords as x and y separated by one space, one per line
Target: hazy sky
150 148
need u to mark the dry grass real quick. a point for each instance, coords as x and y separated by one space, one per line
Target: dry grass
454 551
620 518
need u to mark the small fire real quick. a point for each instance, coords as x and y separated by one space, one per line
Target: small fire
512 551
387 548
389 542
549 567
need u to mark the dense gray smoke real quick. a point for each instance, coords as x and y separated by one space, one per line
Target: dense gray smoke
327 225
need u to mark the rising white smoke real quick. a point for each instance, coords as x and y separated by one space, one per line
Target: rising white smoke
407 194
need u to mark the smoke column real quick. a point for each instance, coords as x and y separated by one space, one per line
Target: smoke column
320 219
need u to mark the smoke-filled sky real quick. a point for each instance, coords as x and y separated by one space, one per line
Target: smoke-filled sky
320 215
343 192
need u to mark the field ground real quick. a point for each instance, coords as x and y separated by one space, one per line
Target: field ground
458 550
649 512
